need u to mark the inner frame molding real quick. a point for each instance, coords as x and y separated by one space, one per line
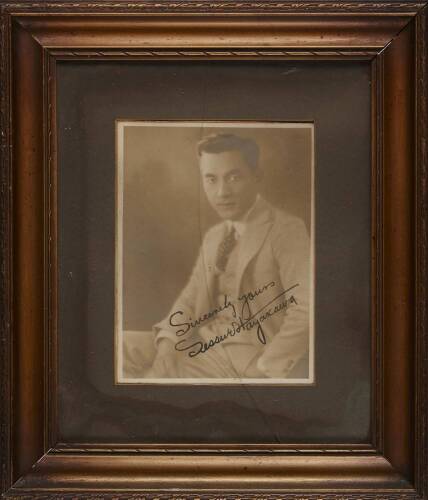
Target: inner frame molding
34 37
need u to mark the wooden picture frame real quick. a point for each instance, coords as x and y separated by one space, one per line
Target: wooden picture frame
393 36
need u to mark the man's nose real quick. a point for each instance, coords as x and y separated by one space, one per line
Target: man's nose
223 189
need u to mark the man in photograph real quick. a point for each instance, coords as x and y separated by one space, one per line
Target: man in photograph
244 312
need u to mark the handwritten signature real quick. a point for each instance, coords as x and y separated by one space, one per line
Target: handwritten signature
243 319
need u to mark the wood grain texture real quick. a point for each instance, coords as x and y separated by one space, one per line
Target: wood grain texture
398 249
395 33
247 472
28 239
6 258
421 366
193 31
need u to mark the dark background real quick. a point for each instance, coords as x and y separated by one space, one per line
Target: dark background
336 97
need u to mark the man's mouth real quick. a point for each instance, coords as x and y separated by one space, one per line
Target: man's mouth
230 204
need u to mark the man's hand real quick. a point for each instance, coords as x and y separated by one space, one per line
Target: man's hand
165 362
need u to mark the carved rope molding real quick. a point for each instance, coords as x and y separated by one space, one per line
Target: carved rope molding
422 234
214 6
168 53
5 255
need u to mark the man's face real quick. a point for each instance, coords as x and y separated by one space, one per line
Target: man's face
230 184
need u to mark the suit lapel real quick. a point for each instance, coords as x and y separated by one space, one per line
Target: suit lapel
210 248
258 226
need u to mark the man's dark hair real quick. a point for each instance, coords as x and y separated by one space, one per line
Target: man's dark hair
219 143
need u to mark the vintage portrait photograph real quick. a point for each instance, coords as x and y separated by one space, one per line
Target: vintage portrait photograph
214 278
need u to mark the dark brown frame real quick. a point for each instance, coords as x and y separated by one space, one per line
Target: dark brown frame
393 36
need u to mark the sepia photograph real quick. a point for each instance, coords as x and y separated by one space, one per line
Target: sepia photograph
214 278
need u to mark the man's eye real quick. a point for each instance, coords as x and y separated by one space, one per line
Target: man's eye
234 178
210 180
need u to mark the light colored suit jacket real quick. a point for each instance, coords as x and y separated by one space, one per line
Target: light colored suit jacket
274 248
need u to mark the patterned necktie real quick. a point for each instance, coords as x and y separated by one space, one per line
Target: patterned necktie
225 248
